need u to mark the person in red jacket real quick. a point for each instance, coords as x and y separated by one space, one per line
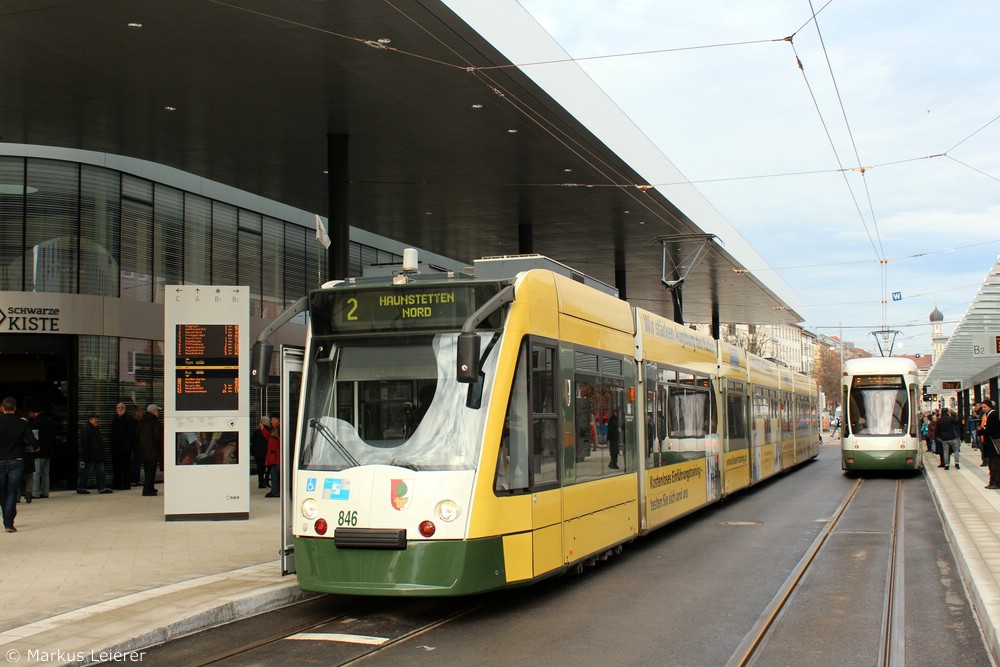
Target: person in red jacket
273 460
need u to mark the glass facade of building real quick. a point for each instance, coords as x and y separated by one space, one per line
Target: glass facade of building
83 229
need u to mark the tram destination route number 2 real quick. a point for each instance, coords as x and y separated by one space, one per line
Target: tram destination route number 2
208 367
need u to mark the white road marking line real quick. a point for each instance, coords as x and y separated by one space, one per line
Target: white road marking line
335 637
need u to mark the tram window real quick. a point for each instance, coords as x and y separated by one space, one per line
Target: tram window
587 423
542 380
786 416
512 460
878 408
688 413
736 433
546 464
544 425
661 411
376 403
596 397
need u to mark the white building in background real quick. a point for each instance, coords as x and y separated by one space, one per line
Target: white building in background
789 345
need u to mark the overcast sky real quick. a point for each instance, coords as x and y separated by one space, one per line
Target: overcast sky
910 90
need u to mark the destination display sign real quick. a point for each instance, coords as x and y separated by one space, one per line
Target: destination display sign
437 307
878 380
207 371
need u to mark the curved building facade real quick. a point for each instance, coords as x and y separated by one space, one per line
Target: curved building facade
88 241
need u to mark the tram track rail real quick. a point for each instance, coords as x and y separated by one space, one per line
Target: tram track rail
892 632
355 613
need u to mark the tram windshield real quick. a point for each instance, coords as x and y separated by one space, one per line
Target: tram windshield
878 405
392 401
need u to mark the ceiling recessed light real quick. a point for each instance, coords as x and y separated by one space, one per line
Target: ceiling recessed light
477 106
567 170
512 131
169 108
384 40
134 25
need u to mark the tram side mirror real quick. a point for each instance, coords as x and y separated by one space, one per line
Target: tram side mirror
468 357
260 363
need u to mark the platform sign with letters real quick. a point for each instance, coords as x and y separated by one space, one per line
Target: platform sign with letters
206 402
985 345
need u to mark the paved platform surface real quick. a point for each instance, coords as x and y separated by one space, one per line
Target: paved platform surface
86 577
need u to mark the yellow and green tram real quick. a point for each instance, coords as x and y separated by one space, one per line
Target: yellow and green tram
461 434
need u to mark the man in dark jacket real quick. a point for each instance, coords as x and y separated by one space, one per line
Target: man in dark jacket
149 437
15 437
992 428
948 433
92 448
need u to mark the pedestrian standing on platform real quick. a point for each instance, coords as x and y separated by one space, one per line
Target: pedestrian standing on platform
273 460
948 430
92 449
135 460
149 435
931 439
28 476
15 437
925 421
984 444
119 448
258 450
991 442
45 433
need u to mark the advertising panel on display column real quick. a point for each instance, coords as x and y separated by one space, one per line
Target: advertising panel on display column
206 402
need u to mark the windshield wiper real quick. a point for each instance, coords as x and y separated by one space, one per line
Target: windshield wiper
320 427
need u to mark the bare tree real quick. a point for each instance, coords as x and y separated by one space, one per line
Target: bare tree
828 373
756 339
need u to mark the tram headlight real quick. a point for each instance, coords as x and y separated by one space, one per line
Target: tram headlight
310 508
447 510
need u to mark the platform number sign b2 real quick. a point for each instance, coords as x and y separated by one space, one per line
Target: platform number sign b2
985 345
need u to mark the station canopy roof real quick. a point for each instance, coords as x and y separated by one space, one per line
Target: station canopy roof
972 354
451 148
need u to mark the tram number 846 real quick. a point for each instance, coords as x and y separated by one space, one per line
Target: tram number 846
347 519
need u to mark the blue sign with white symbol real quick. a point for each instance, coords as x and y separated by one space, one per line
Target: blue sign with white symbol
897 296
336 489
311 484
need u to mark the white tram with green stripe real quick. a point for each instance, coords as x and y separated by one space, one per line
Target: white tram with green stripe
879 432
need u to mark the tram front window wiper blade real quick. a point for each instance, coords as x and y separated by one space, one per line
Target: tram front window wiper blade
320 427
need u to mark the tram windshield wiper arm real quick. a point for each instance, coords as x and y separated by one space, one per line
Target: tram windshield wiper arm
320 427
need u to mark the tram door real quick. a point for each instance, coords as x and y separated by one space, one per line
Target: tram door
291 388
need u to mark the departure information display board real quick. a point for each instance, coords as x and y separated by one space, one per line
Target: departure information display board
410 308
207 367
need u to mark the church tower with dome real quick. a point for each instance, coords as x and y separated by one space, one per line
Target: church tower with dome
938 339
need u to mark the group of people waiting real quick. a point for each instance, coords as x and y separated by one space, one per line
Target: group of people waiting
265 447
136 439
987 437
941 431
